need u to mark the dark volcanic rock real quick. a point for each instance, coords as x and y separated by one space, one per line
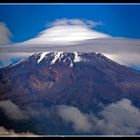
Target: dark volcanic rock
80 79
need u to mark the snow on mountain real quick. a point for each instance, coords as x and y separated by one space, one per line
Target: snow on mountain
62 57
57 55
71 63
42 56
77 58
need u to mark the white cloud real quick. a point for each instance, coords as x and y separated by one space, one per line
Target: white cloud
129 59
79 22
6 58
63 35
12 133
76 117
12 111
5 34
66 31
119 118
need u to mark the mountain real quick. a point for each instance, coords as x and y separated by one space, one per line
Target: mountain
83 80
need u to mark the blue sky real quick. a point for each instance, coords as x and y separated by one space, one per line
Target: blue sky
26 21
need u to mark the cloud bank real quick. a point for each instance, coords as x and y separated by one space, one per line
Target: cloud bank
120 118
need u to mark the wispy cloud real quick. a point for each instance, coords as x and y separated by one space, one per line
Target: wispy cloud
5 34
79 22
12 111
12 133
119 118
76 117
10 57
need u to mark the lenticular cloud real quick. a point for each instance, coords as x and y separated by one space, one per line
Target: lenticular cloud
65 34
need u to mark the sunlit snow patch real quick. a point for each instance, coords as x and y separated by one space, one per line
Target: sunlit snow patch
57 56
77 58
42 56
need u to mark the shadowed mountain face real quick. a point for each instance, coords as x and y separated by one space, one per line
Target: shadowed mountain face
82 80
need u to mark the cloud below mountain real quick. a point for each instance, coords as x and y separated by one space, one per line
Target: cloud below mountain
12 111
76 117
120 118
12 133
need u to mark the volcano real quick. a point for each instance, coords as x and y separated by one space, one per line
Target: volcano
82 80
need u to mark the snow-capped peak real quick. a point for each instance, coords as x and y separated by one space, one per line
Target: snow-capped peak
42 56
77 58
57 56
63 57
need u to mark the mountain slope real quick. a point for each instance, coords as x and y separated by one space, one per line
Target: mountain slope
79 79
